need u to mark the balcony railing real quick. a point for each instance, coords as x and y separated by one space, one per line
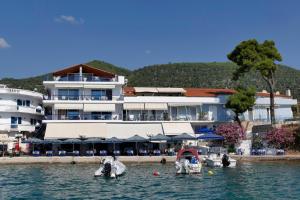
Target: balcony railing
83 117
78 97
85 77
23 109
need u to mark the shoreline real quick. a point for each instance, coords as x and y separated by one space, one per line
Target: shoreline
130 159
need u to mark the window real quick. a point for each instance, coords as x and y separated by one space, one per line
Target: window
19 102
33 122
19 120
98 94
28 103
68 94
14 122
73 114
101 115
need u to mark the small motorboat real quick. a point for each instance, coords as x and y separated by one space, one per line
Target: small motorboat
110 167
188 162
222 160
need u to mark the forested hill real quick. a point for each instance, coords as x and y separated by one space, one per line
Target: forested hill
209 75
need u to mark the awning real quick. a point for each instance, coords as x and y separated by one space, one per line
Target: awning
104 107
65 85
186 104
68 106
170 90
134 106
177 128
99 86
124 131
75 130
156 106
146 89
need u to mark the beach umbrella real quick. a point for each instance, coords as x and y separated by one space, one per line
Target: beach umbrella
210 136
114 140
51 141
93 141
72 141
159 138
184 136
33 141
136 139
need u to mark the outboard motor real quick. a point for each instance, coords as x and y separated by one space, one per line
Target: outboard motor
106 169
225 161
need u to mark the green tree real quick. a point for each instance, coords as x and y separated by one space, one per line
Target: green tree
251 55
241 101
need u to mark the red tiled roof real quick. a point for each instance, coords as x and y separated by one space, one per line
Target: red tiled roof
264 94
206 92
85 69
128 91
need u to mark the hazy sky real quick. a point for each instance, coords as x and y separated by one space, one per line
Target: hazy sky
41 36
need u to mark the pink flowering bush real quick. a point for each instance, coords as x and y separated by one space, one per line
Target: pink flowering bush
231 132
280 137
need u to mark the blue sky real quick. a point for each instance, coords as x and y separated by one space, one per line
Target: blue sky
41 36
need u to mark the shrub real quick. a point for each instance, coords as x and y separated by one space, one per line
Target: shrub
231 132
280 137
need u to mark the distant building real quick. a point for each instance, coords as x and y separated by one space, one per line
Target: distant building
83 101
21 113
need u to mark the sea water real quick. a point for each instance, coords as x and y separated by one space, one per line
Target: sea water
268 180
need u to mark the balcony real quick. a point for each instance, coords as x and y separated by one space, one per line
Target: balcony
78 97
85 77
22 109
83 117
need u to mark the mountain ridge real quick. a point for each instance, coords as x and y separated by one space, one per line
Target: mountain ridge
183 74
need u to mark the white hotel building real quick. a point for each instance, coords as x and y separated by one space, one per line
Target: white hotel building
21 113
83 101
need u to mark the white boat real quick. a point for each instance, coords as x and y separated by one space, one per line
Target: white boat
188 162
110 167
222 160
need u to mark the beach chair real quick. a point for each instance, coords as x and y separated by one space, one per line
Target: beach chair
49 153
103 153
36 153
143 152
156 152
171 153
253 152
62 153
116 152
75 153
89 153
279 151
129 152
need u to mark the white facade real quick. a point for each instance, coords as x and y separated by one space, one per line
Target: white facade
20 111
84 101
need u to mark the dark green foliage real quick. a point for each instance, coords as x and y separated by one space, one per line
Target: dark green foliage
109 67
206 75
250 55
241 101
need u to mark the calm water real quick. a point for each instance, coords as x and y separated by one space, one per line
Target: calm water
247 181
